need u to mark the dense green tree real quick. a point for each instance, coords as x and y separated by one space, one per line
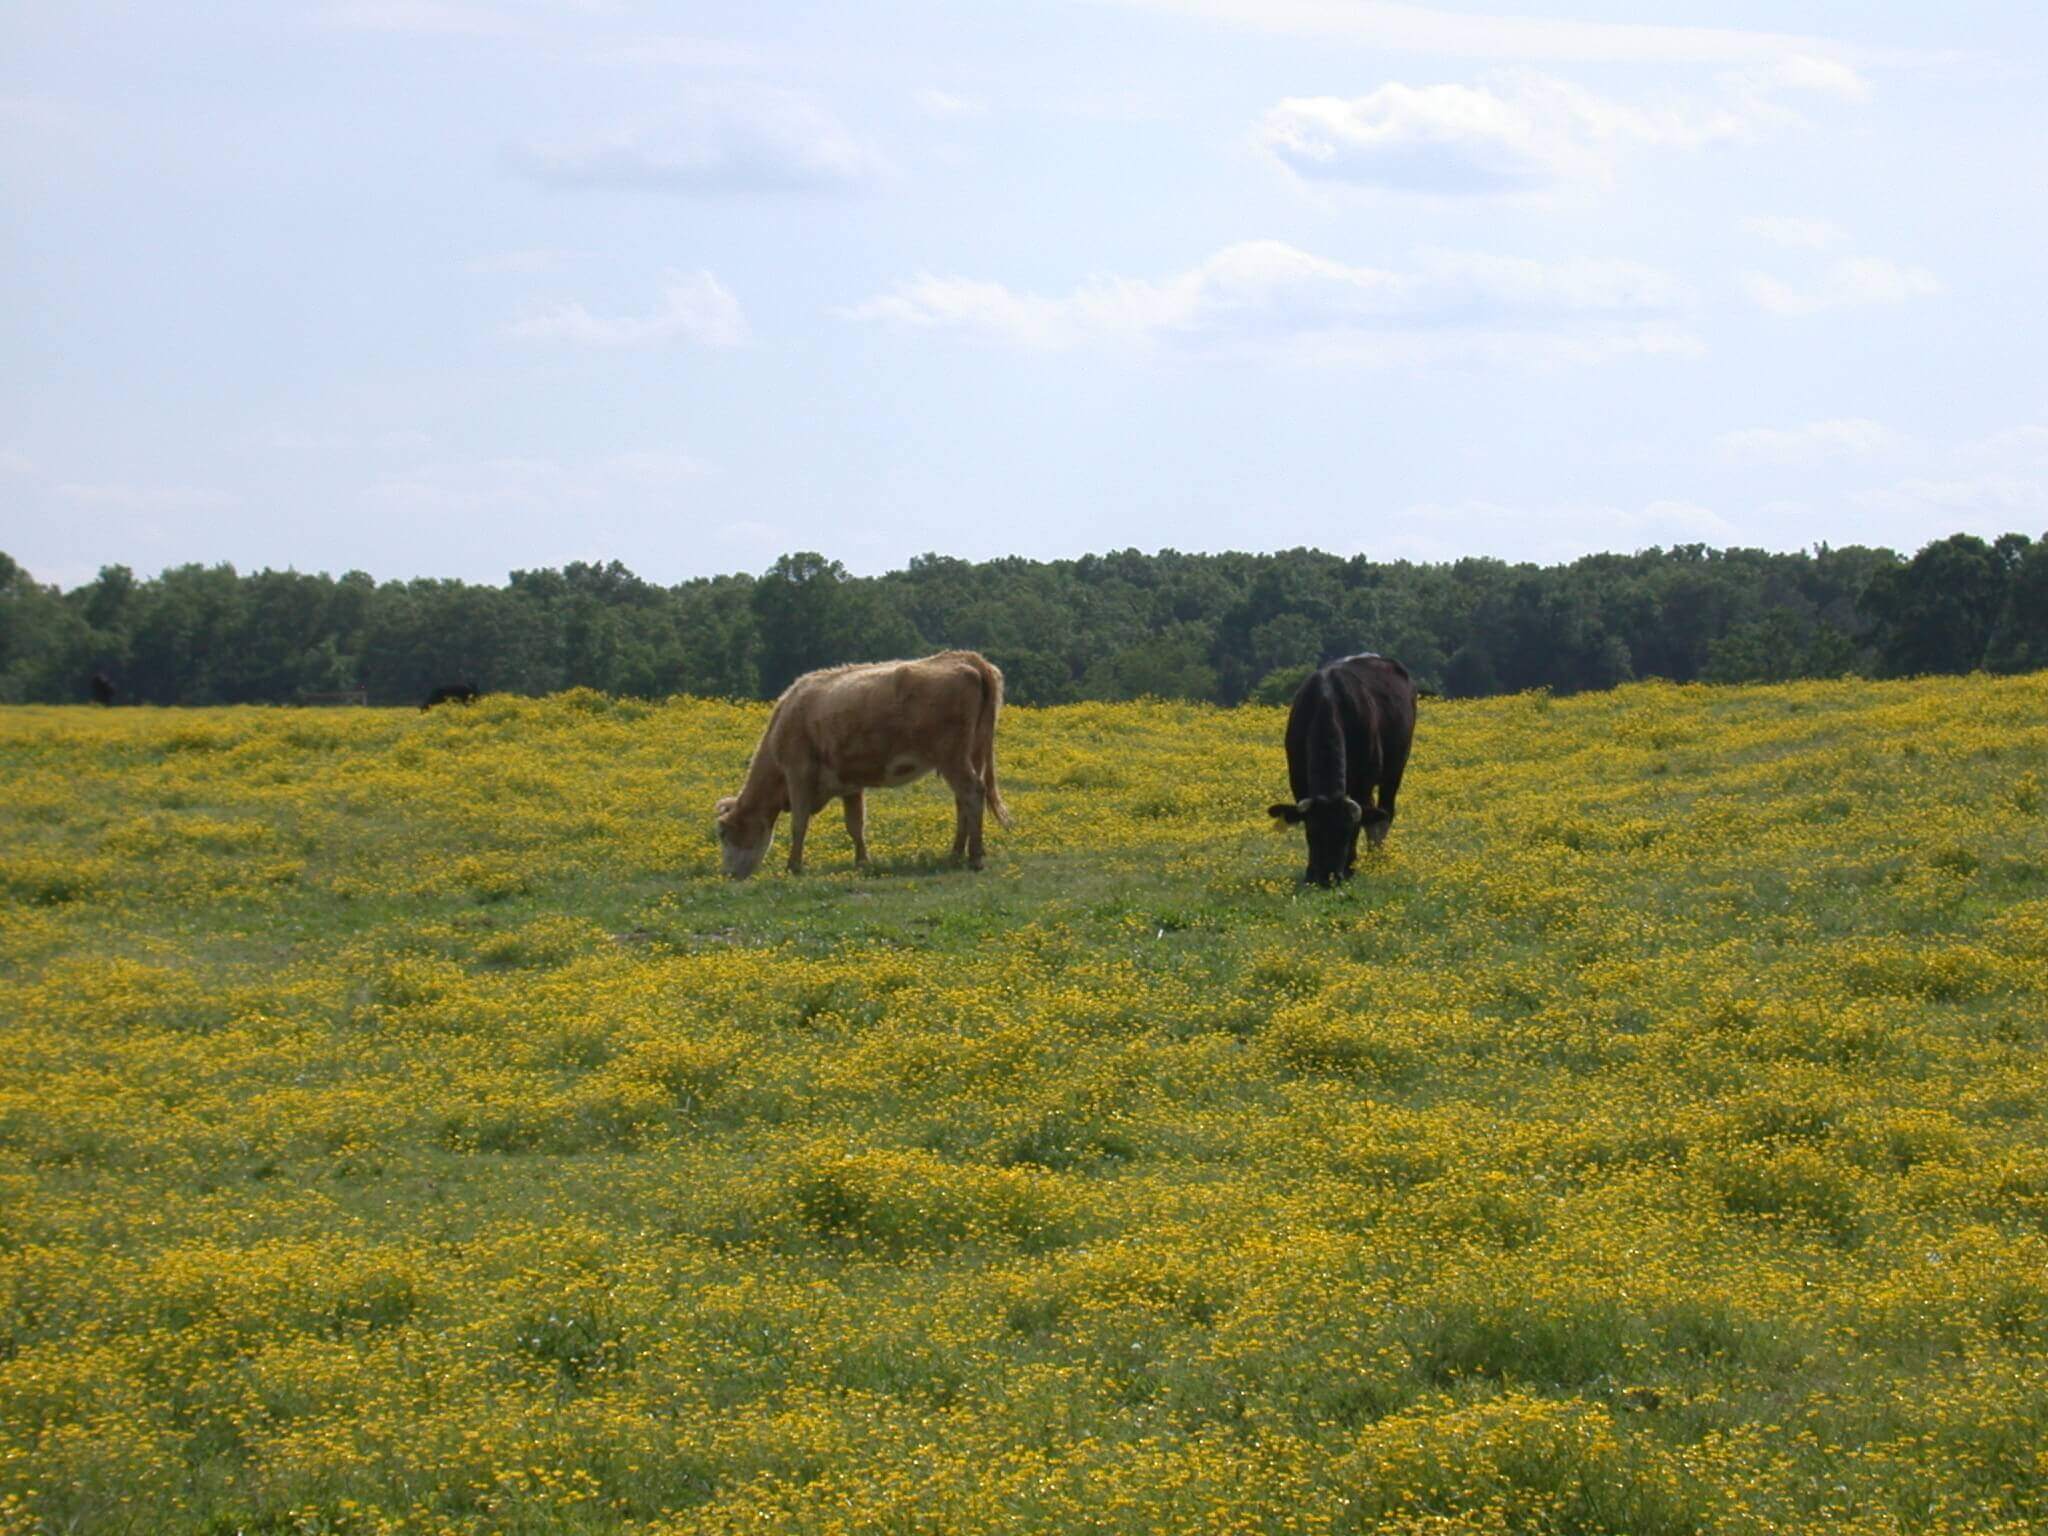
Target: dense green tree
718 638
107 602
46 646
1033 677
873 626
1278 686
1770 649
1118 625
1171 665
798 603
281 621
1470 674
1937 612
182 647
2019 641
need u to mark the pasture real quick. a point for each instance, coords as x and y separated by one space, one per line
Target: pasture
403 1128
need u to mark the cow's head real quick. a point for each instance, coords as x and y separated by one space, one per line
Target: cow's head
1332 823
742 841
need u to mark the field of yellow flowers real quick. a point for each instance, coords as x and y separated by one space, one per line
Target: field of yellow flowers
403 1128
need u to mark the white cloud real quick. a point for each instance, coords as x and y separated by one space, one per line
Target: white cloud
1422 29
718 139
143 498
656 468
1274 297
1513 133
1562 531
467 485
514 484
1846 437
933 102
1519 282
1794 233
694 307
1850 283
2029 441
1976 494
1530 345
1680 522
14 462
1807 72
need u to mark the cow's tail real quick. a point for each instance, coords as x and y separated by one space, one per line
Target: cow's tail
985 735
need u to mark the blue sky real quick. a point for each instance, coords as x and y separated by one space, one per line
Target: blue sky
449 287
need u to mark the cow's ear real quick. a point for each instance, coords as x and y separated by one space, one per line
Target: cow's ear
1290 814
1354 810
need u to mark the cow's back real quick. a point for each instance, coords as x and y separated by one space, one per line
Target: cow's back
1379 698
1351 726
857 720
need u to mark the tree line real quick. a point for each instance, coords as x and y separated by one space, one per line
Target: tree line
1222 628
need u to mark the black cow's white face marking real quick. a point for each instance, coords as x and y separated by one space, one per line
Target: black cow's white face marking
1332 828
1331 824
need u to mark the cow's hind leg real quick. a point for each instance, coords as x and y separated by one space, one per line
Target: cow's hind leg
1389 786
857 826
969 798
1377 832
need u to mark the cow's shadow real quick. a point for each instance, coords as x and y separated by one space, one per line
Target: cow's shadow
897 866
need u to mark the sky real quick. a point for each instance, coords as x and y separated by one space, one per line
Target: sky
456 287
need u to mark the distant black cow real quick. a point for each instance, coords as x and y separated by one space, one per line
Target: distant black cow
1348 734
101 688
450 693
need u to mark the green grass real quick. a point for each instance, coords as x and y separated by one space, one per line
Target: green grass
402 1127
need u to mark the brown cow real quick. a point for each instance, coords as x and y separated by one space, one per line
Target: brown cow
845 730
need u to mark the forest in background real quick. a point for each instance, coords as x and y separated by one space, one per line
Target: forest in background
1223 628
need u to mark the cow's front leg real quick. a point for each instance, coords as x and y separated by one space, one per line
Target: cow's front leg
857 826
799 822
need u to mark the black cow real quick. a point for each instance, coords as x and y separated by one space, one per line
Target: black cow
1348 733
101 688
450 693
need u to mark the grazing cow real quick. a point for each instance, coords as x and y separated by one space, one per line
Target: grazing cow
838 733
101 687
1348 733
450 693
